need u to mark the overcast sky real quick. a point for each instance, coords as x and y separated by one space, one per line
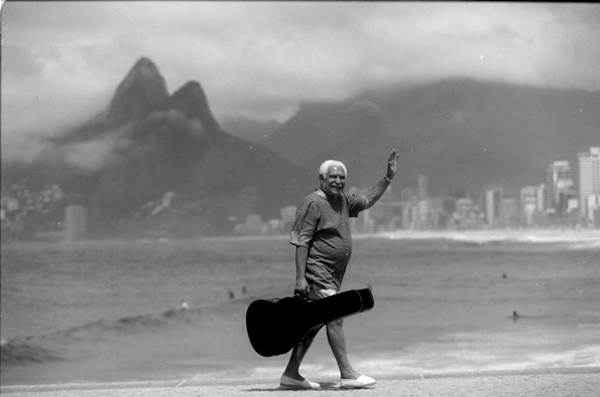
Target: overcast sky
62 61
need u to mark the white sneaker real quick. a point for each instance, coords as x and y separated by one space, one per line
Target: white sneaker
361 382
294 384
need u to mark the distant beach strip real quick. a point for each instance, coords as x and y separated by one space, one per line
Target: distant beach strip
584 238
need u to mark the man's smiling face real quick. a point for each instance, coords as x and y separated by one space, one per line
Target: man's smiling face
334 181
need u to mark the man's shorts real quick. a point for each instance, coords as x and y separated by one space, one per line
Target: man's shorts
316 293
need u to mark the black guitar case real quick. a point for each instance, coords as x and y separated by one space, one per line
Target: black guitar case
275 326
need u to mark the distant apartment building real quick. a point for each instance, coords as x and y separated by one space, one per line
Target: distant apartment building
540 192
491 205
254 226
427 213
559 186
529 203
589 183
466 215
410 214
386 214
593 210
439 210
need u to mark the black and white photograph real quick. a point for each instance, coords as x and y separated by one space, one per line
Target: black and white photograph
258 198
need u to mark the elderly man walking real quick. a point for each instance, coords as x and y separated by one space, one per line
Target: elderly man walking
321 235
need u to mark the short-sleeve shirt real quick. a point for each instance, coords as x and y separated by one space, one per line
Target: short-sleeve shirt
323 226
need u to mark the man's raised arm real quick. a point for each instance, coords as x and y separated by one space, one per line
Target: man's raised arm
375 192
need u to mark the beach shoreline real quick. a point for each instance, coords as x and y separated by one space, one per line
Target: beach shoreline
528 235
580 381
442 307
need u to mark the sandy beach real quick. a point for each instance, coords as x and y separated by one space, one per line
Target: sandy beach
561 382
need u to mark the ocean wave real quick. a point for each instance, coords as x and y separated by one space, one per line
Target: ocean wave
131 324
584 238
22 352
586 245
52 347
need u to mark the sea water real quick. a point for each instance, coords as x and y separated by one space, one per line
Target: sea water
444 303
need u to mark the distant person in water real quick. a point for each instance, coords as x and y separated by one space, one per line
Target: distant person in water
184 305
321 235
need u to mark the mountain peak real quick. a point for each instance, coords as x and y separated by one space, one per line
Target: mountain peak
191 100
191 86
142 91
145 68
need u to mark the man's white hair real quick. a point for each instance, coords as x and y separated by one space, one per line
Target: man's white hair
331 163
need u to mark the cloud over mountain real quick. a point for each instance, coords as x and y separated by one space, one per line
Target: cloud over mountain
148 142
463 133
261 58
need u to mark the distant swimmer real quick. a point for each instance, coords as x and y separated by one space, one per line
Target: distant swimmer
184 305
515 316
231 294
504 276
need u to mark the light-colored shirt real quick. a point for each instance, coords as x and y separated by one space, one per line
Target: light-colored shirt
323 226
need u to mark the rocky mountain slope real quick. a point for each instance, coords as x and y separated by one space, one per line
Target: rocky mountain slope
147 143
462 133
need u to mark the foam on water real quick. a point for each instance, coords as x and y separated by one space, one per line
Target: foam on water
512 348
588 356
586 245
583 238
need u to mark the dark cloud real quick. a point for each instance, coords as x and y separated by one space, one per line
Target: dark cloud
264 57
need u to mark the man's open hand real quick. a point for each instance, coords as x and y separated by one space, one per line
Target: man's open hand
392 164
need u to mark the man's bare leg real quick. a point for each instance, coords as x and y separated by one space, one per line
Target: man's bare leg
293 367
337 341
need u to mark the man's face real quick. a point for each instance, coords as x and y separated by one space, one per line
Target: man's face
334 181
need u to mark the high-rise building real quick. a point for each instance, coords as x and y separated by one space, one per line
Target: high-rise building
491 204
539 195
529 203
559 183
593 210
589 181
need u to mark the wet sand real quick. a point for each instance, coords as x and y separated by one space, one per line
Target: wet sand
581 382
